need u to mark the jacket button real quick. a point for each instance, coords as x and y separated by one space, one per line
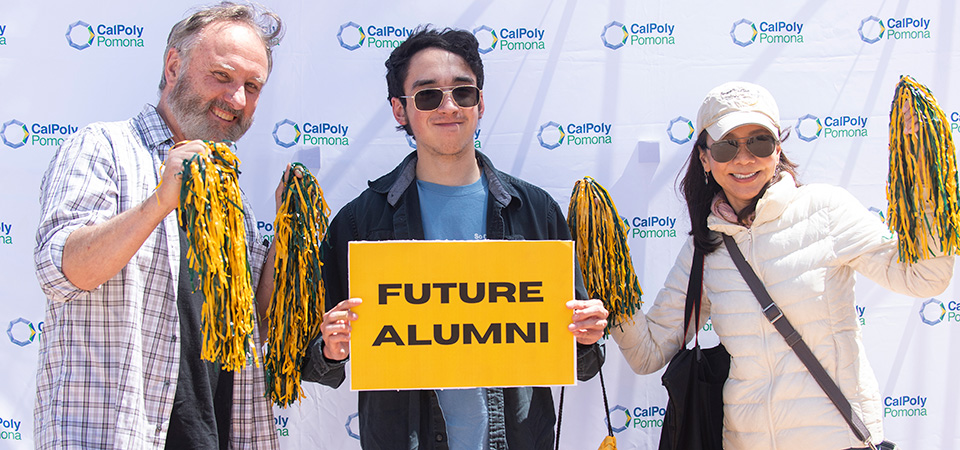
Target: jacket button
439 437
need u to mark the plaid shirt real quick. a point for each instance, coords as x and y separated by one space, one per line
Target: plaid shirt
109 357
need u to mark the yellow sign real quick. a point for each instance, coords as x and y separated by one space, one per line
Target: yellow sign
447 314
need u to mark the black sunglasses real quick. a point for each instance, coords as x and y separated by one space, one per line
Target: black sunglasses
429 99
761 146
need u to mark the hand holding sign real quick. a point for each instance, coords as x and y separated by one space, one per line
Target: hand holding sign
336 327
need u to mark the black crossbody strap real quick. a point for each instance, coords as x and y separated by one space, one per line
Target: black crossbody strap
694 292
795 341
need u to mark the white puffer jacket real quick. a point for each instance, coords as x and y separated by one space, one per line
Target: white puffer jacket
805 245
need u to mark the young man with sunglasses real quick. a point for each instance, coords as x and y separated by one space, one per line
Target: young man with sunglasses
444 190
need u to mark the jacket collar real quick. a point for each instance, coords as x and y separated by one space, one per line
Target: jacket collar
395 183
769 208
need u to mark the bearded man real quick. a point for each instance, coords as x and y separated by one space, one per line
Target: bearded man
119 363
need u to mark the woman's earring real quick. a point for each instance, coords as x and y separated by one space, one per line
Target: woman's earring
706 178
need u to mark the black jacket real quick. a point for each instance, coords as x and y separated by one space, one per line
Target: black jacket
521 418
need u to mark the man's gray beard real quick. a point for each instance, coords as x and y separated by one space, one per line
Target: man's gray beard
191 115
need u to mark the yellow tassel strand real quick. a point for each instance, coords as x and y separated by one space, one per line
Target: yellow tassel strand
211 212
922 184
602 251
296 310
609 443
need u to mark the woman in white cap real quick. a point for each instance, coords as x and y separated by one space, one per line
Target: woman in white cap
804 243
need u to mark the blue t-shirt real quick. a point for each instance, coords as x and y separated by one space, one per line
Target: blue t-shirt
458 213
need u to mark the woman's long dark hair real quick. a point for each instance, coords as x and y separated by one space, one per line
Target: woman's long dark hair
699 195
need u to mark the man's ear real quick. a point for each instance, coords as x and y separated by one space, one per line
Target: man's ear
399 111
172 64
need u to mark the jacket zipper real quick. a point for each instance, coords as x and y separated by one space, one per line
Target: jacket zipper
764 345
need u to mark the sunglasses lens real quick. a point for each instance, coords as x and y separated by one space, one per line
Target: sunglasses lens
761 146
466 96
428 99
723 151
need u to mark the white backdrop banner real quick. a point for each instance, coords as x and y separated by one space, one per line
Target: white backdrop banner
608 89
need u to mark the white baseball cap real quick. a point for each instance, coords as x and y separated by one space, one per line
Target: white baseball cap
737 103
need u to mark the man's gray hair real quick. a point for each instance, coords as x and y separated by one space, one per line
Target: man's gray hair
186 33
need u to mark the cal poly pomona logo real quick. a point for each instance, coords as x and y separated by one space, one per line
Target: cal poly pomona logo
874 29
932 312
810 127
623 418
680 130
81 35
353 36
509 39
287 133
745 32
616 35
16 134
552 134
23 332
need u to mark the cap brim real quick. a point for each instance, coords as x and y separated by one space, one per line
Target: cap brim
733 120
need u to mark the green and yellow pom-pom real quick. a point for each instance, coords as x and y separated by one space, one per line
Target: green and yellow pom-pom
211 212
922 184
602 251
296 309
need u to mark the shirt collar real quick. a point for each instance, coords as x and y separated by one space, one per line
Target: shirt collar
154 131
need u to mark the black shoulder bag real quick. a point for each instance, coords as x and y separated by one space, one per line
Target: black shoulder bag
795 341
694 381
